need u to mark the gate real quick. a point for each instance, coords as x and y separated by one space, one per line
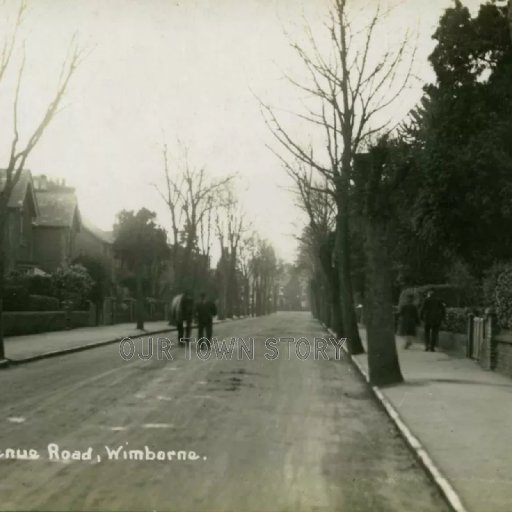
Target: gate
479 332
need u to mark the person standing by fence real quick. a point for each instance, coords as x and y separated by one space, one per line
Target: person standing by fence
432 313
408 321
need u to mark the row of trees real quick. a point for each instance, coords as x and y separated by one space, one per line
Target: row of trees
395 204
205 215
349 92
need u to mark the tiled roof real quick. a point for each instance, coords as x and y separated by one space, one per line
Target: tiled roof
56 208
105 236
20 190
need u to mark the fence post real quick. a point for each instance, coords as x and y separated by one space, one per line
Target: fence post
92 314
490 336
470 331
68 308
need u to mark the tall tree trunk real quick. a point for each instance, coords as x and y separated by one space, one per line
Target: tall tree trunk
312 300
140 300
331 278
3 243
336 313
383 364
230 285
347 300
246 297
510 17
232 288
327 309
2 289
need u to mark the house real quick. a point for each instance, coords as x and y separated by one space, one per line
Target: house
96 243
22 210
57 225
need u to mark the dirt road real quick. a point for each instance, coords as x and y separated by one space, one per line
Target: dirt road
268 433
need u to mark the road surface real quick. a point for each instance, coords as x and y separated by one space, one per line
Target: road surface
267 433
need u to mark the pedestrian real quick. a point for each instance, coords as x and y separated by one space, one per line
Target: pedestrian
187 313
205 311
432 313
173 308
182 312
409 319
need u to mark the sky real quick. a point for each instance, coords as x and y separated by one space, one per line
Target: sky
163 71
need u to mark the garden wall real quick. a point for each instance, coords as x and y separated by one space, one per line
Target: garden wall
503 353
32 322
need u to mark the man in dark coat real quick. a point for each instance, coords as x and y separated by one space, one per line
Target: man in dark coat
432 313
205 312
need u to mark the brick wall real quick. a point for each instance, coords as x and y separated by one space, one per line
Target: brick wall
17 323
503 348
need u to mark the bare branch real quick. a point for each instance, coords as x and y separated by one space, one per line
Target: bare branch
9 43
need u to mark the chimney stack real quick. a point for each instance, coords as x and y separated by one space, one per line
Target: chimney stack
41 182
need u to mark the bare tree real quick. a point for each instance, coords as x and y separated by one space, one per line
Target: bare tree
264 272
206 231
354 92
19 152
190 194
316 199
246 251
231 226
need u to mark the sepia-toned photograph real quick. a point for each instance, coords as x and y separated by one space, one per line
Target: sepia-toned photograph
256 255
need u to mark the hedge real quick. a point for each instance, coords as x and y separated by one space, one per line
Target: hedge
31 322
456 320
43 303
502 297
446 293
17 298
40 285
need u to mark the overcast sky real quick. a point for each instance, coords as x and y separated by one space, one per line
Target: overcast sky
158 70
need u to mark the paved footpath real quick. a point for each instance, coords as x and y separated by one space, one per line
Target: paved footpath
271 435
22 348
30 347
462 415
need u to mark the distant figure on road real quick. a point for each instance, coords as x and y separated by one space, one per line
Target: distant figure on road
432 313
182 312
409 319
205 312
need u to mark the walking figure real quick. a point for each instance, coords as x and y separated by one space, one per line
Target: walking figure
432 313
182 312
409 319
205 312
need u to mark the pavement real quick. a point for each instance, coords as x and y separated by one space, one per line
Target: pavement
37 346
31 347
459 416
262 434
